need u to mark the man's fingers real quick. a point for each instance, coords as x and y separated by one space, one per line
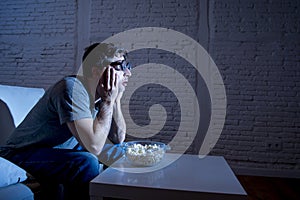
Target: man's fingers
103 80
108 78
108 85
112 77
115 83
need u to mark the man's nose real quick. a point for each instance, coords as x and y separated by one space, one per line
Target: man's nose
127 72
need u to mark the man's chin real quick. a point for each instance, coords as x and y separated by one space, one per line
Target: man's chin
122 88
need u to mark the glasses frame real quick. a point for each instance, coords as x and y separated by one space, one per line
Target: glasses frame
123 65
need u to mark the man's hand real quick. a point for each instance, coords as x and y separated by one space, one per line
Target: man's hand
107 87
119 96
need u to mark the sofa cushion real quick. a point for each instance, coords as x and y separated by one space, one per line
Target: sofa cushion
20 100
15 103
6 122
10 173
16 192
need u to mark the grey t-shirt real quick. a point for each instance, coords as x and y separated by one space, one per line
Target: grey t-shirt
45 125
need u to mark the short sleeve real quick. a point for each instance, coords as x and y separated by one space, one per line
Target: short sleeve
70 100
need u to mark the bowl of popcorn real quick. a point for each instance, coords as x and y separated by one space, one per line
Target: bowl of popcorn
144 153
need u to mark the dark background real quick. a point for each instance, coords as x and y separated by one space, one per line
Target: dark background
255 45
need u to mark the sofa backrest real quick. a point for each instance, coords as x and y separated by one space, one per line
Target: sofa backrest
6 122
19 101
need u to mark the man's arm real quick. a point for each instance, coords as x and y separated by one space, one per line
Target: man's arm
118 130
91 133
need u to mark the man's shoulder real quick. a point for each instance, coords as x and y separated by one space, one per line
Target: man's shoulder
72 80
68 84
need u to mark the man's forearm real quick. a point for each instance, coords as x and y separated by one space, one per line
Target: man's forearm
119 122
92 133
102 124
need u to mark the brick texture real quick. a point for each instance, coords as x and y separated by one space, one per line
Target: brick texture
37 41
255 45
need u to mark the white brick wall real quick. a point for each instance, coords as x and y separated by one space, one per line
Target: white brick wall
37 41
255 45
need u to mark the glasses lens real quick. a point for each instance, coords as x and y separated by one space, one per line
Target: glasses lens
121 65
126 65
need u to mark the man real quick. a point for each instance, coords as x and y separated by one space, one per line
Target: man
85 107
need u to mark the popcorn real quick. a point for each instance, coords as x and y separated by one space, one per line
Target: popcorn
144 155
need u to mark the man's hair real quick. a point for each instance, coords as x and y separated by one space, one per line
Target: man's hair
99 55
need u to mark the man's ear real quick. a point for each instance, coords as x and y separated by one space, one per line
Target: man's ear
96 72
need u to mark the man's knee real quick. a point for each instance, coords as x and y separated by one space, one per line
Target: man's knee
88 166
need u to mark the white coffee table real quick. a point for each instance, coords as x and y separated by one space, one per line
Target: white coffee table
189 177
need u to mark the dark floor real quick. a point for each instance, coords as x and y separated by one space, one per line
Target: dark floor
267 188
257 188
270 188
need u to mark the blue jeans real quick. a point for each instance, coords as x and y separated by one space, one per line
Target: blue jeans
71 168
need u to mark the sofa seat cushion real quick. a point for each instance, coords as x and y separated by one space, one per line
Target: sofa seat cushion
16 192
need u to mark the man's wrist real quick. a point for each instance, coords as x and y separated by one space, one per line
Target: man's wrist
100 103
119 96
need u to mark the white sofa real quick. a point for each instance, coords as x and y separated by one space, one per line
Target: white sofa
15 103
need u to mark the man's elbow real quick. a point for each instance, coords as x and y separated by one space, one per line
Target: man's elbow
95 149
121 138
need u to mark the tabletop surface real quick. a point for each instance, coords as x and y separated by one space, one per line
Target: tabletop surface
176 172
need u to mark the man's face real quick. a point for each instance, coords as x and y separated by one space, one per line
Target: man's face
123 73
